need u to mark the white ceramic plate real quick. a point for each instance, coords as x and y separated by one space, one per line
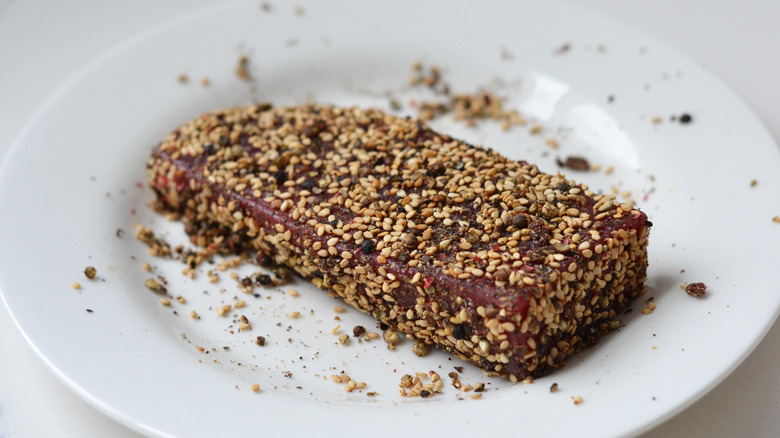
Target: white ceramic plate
73 180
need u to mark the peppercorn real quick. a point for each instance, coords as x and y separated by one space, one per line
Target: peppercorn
391 337
90 272
420 349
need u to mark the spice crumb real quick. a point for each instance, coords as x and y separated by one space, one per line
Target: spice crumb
577 399
358 331
695 289
255 387
554 387
205 81
242 70
776 219
574 163
182 78
753 182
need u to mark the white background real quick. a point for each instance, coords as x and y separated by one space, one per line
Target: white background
44 43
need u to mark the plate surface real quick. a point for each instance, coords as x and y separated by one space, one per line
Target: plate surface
72 190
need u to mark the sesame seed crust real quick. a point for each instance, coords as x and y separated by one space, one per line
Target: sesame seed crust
489 258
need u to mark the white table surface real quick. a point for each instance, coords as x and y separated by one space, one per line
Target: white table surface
43 43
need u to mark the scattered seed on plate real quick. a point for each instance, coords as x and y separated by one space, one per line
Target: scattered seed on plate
339 309
90 272
165 302
76 285
292 292
193 314
255 387
577 399
294 315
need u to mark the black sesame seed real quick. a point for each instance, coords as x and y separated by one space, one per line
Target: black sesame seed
519 221
686 118
263 279
460 331
367 247
280 176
